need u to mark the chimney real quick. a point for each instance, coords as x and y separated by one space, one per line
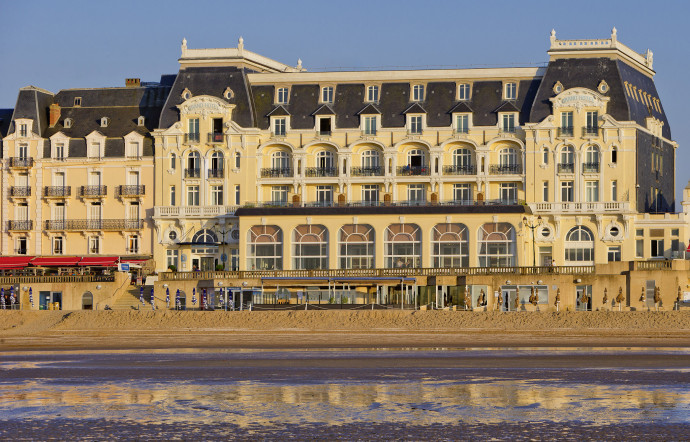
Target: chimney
132 82
54 114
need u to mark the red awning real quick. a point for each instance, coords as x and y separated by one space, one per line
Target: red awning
14 262
56 261
99 261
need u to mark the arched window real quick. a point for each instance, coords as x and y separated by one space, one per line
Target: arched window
371 159
579 246
216 169
173 161
356 246
416 158
450 245
204 241
325 160
507 157
462 161
591 160
568 155
403 246
310 247
280 160
193 165
265 248
496 243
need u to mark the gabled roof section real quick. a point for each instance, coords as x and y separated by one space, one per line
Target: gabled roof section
324 110
460 107
415 108
507 106
278 111
369 109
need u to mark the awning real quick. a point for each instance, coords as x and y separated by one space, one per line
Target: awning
56 261
14 262
99 261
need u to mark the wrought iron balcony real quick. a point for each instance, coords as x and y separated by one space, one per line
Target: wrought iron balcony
215 137
191 138
95 224
192 173
505 169
58 191
20 225
590 167
590 131
320 171
21 162
413 170
215 173
20 191
566 168
276 172
459 170
94 191
566 131
366 171
132 190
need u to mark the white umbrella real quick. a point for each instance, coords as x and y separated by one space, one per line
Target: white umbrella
167 296
31 297
153 300
177 299
194 296
141 295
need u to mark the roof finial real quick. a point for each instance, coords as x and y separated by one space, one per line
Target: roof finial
553 36
614 34
184 45
240 44
299 64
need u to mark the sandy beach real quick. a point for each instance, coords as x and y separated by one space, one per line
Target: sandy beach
63 330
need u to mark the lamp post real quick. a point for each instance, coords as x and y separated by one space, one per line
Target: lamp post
532 226
222 230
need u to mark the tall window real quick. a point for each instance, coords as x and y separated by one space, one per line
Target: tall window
403 246
94 244
370 194
193 126
462 159
592 120
462 193
657 248
508 123
591 160
172 258
216 195
216 169
450 245
237 194
614 155
496 244
356 246
324 195
370 125
545 187
416 193
418 92
94 150
310 247
325 160
327 94
133 244
591 191
279 126
507 157
373 94
58 245
193 165
279 195
371 160
579 245
510 91
567 123
416 124
462 123
173 199
237 160
132 150
282 95
265 248
281 160
508 193
23 130
614 190
545 155
192 195
567 194
22 245
567 163
173 161
463 91
59 153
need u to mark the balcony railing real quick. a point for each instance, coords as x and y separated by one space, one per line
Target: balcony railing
58 191
413 170
132 190
95 224
192 173
366 171
566 167
20 225
459 170
405 203
20 191
590 131
21 162
276 172
566 131
505 169
193 211
320 171
215 137
191 138
568 207
590 167
94 191
215 173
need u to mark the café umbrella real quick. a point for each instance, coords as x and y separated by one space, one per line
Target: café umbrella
205 299
177 299
2 297
153 300
167 297
31 297
141 295
12 298
194 296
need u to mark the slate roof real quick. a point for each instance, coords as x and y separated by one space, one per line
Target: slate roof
414 108
507 106
32 103
369 109
278 111
460 107
324 110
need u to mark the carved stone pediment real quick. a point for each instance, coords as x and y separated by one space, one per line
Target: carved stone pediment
205 105
580 98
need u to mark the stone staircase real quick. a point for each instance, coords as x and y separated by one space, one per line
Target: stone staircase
129 301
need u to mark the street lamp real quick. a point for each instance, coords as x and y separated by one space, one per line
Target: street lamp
532 227
222 230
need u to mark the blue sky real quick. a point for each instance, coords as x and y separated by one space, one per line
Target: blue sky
62 44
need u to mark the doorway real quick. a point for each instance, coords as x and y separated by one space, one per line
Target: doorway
87 301
509 295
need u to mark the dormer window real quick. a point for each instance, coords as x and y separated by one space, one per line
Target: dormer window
23 130
282 95
510 91
186 94
373 94
462 123
228 94
327 94
279 126
105 121
464 91
508 121
77 101
415 124
418 92
68 123
141 121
